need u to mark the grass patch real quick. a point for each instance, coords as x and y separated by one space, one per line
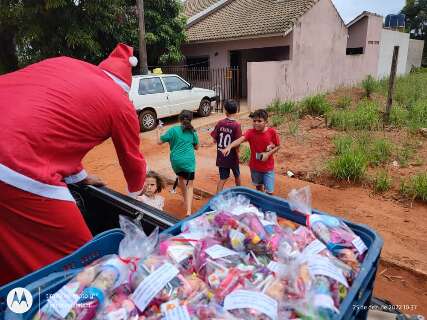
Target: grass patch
380 151
277 120
245 154
315 105
418 116
404 154
342 144
350 165
282 108
382 182
344 102
415 187
369 85
293 128
365 117
399 116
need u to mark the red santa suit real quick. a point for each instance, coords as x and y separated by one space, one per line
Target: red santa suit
51 114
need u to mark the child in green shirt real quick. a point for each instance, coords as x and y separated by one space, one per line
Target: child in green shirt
183 140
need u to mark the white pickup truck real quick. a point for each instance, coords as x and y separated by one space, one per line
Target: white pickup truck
159 96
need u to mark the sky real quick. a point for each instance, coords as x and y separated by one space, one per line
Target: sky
349 9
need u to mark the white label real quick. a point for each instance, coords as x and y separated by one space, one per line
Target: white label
152 285
120 314
180 253
315 247
63 301
193 235
218 251
359 244
266 223
319 265
277 267
242 299
178 313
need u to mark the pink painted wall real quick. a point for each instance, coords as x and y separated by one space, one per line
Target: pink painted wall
319 61
357 33
222 49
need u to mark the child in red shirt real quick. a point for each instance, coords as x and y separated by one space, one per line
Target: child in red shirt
264 143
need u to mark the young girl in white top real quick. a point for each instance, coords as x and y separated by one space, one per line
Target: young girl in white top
151 193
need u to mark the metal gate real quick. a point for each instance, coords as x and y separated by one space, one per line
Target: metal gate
224 81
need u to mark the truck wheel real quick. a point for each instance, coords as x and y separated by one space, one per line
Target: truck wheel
204 108
147 120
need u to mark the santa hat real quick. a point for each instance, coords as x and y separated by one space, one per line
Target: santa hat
119 65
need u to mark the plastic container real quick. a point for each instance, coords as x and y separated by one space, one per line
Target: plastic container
103 244
355 305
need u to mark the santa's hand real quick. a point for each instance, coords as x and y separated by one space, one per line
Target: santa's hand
93 181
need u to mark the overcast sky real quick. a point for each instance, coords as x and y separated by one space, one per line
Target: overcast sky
350 9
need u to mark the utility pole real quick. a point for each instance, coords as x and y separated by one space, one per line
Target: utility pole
143 67
391 84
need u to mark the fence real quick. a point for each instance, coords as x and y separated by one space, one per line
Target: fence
224 81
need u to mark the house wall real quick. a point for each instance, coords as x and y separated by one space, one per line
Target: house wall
319 62
357 33
415 54
219 52
389 39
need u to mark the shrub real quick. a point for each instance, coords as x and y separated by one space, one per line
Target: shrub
404 154
315 105
418 116
273 106
382 182
277 120
293 128
287 107
245 154
415 187
350 165
369 85
344 102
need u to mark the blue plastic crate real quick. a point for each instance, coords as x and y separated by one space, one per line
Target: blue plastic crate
355 305
103 244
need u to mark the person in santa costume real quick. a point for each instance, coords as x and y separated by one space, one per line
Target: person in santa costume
52 113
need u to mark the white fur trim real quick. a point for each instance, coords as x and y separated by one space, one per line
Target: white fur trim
134 194
25 183
133 61
121 83
76 177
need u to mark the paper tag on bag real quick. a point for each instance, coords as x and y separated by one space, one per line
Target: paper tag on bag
120 314
277 267
218 251
179 253
314 247
359 244
152 285
242 299
63 300
177 313
319 265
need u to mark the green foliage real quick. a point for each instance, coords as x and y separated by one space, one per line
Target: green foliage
344 102
277 120
350 165
342 144
418 116
415 187
315 105
293 128
365 117
245 154
282 108
369 85
404 154
382 182
380 151
399 116
89 30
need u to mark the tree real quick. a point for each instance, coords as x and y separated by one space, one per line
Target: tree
416 21
32 30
